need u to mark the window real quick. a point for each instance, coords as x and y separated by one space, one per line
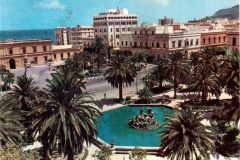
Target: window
44 48
100 30
117 43
152 44
186 43
173 44
129 29
95 30
105 30
152 32
234 41
105 37
45 58
191 42
35 59
126 43
130 43
164 45
146 45
61 55
140 32
117 35
135 32
209 40
158 45
117 29
219 39
135 44
68 55
196 43
123 29
110 29
224 39
122 43
10 51
55 56
23 49
179 44
203 40
34 49
214 40
141 44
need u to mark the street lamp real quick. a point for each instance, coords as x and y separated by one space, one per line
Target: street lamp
136 85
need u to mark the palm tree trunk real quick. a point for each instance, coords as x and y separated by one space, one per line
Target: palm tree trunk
175 87
46 154
204 97
120 90
160 83
70 151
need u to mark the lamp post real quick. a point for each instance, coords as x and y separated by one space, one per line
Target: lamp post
136 85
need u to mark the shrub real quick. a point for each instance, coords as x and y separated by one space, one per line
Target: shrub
128 98
138 153
104 153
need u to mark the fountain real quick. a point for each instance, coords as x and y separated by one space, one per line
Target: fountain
144 121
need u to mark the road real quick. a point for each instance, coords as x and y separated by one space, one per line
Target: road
97 86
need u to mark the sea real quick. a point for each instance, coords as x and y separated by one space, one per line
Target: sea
28 34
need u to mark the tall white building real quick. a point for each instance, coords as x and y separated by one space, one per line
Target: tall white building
78 36
110 24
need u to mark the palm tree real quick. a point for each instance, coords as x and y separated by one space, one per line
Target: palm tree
75 62
109 51
10 127
185 137
66 117
158 73
86 57
145 94
205 81
99 48
121 71
23 92
8 79
229 74
140 56
178 67
3 70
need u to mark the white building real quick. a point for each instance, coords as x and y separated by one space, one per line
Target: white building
110 24
78 36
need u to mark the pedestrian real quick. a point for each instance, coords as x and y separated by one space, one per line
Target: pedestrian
104 95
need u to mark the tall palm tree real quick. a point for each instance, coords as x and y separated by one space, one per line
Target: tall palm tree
185 137
66 117
229 74
121 71
86 57
10 127
3 70
158 73
8 79
99 49
140 55
178 67
23 92
205 81
109 51
75 62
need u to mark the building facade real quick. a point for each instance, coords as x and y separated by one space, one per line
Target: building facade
16 53
165 21
213 38
78 36
233 40
110 24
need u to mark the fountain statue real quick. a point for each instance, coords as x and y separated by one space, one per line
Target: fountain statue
144 121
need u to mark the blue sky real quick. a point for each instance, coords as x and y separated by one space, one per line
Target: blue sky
48 14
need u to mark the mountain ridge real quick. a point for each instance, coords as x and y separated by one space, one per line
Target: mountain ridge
229 13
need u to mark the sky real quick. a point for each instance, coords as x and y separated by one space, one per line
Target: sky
48 14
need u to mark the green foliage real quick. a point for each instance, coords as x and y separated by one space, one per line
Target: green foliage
138 153
128 98
145 94
121 71
104 153
140 55
184 136
10 127
10 152
227 143
66 118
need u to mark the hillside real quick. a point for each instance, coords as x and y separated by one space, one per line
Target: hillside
229 13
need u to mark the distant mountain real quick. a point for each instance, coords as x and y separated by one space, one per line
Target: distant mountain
229 13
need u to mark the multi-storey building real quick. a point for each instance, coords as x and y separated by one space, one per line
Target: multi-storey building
161 40
233 40
165 21
110 24
78 36
16 53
